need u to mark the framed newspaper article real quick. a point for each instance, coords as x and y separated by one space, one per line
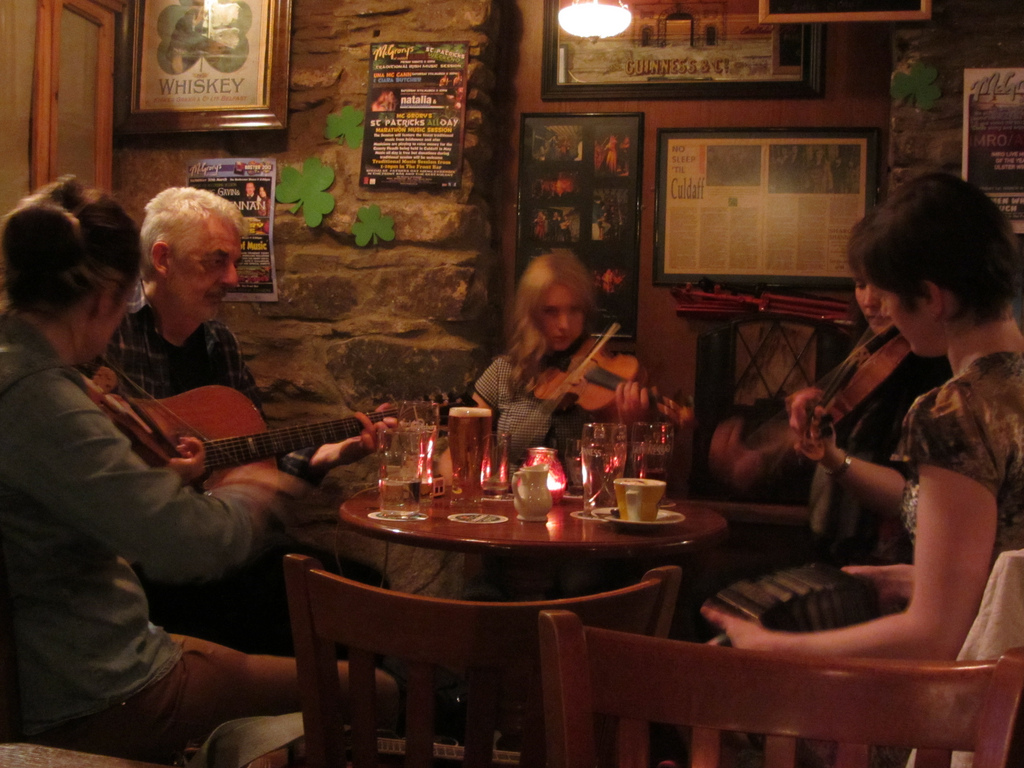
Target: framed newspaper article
771 206
184 66
579 189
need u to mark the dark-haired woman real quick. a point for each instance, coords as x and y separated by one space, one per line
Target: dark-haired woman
77 505
947 266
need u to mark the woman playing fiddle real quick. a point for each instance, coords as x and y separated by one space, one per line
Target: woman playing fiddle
845 532
553 309
946 267
78 506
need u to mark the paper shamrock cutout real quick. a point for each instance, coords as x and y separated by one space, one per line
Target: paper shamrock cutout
918 85
306 189
345 126
372 225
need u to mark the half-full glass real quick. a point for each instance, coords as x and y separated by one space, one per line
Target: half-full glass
402 455
603 460
423 415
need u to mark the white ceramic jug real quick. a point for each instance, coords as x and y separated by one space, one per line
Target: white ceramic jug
530 492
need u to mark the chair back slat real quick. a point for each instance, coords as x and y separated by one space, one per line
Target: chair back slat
10 697
855 702
489 643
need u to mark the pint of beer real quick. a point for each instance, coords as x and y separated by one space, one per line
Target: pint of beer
469 430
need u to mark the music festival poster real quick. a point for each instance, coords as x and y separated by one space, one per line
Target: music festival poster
249 183
416 115
993 143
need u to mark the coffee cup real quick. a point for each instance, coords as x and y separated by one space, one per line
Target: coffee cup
638 498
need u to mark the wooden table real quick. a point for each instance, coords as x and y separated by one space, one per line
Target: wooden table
531 551
35 756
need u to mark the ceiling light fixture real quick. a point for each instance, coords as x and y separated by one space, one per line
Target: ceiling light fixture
590 18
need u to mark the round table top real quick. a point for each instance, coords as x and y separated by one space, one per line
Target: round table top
562 534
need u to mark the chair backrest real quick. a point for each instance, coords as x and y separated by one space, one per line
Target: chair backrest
484 641
10 698
933 706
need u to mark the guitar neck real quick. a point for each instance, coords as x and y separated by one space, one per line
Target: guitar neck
235 451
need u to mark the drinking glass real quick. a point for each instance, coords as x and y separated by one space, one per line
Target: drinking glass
423 415
468 432
402 455
650 450
494 476
603 460
573 469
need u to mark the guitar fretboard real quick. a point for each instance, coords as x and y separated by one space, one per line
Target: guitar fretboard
235 451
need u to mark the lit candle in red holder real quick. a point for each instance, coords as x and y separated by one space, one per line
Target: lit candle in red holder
556 473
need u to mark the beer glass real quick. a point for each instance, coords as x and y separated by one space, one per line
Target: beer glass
469 431
650 450
603 459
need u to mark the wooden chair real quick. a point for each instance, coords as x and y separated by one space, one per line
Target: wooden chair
933 706
486 642
10 698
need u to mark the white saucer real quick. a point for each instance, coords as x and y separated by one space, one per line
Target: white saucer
610 515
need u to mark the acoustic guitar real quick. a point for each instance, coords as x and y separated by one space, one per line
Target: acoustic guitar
230 426
232 429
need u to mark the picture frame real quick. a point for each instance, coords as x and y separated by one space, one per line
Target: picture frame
181 68
819 11
579 189
722 53
761 206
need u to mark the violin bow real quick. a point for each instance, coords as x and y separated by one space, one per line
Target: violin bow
573 376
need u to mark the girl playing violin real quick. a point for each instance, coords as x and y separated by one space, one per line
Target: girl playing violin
946 267
552 313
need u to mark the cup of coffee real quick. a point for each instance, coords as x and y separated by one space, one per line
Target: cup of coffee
638 498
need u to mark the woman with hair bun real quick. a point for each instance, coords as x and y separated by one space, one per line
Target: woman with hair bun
77 506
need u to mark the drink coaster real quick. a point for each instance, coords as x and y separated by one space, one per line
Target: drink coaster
477 518
391 517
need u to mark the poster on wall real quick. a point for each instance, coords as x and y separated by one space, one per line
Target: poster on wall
416 114
993 144
249 184
579 189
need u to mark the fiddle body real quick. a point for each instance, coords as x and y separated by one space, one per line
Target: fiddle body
589 380
850 384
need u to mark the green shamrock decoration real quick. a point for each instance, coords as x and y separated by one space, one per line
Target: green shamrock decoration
918 85
305 188
372 225
345 126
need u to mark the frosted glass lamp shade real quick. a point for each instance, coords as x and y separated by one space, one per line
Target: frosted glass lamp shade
590 18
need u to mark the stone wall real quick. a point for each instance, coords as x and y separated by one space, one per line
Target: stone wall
961 34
